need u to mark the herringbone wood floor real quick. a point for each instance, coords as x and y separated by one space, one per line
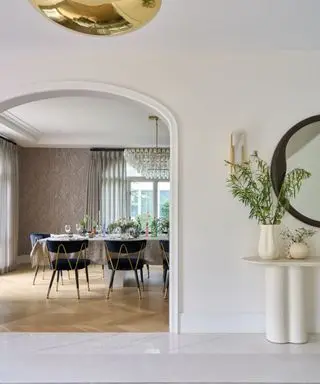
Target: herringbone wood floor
24 308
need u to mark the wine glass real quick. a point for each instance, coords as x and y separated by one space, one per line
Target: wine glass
78 228
67 228
99 229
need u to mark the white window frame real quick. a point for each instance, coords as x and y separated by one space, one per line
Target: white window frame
137 179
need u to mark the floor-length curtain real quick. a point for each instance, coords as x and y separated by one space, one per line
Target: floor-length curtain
9 203
94 188
114 186
107 186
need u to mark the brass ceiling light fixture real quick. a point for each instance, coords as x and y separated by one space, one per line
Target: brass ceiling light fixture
99 17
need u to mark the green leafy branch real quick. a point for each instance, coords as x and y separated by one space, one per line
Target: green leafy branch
250 183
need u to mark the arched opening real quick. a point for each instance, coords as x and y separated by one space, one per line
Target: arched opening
38 92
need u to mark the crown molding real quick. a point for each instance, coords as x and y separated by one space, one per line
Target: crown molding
19 126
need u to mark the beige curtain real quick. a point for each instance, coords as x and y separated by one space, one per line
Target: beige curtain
107 186
9 189
94 188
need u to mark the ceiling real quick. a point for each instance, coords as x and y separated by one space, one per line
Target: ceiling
82 122
188 25
182 27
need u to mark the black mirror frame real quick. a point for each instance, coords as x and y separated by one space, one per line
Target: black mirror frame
279 167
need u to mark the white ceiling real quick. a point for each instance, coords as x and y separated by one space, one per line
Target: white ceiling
183 27
190 25
82 121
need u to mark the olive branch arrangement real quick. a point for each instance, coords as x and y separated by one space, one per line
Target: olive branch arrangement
250 183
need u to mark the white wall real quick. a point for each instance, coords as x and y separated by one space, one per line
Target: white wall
265 94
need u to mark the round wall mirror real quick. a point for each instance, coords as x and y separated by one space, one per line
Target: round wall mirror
300 148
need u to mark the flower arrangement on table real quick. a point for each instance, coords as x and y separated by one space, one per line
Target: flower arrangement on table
297 241
84 224
164 225
125 225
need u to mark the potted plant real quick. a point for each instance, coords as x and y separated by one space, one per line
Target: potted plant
250 183
164 225
84 223
155 226
297 247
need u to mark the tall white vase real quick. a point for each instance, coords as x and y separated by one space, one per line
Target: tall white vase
268 244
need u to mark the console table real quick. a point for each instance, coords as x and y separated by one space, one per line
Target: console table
285 298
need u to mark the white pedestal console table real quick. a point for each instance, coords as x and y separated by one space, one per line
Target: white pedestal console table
285 298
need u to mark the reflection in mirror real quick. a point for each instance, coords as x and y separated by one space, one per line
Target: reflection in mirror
300 148
303 151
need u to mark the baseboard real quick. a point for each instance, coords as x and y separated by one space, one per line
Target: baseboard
23 259
222 323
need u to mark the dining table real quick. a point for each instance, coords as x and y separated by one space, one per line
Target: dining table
96 251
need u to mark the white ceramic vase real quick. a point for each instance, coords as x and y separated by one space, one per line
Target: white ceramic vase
298 251
268 245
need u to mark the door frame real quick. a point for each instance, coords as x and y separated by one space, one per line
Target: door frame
22 94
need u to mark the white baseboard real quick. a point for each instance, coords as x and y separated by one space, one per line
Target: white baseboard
23 259
222 323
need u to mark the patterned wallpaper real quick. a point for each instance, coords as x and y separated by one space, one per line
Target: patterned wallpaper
53 190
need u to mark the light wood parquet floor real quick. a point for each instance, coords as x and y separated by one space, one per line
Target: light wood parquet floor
24 307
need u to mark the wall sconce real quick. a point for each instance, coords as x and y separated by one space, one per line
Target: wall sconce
238 153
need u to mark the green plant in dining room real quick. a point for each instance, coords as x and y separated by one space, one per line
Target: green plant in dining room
123 225
250 182
154 226
298 235
84 222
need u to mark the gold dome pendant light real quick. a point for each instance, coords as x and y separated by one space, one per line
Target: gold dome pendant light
99 17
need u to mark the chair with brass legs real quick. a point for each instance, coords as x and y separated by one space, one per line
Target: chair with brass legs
34 237
165 249
62 261
125 256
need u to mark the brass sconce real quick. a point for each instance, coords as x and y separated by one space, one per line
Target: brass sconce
238 152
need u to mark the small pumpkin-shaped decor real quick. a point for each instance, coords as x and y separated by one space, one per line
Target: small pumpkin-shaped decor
298 251
298 247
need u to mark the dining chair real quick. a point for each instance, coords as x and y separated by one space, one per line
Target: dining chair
63 261
165 249
126 256
34 237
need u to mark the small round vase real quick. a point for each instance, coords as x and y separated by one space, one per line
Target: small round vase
298 251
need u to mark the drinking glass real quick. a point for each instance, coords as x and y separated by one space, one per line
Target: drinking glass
99 229
78 228
67 228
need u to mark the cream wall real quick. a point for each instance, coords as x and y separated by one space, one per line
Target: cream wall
211 95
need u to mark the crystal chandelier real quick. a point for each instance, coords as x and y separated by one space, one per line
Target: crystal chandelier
151 163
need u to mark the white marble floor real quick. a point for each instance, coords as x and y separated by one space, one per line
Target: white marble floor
150 358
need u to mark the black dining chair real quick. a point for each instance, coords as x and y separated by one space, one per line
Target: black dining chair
63 261
165 248
34 237
126 256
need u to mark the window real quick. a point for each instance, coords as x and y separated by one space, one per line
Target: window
147 199
163 199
